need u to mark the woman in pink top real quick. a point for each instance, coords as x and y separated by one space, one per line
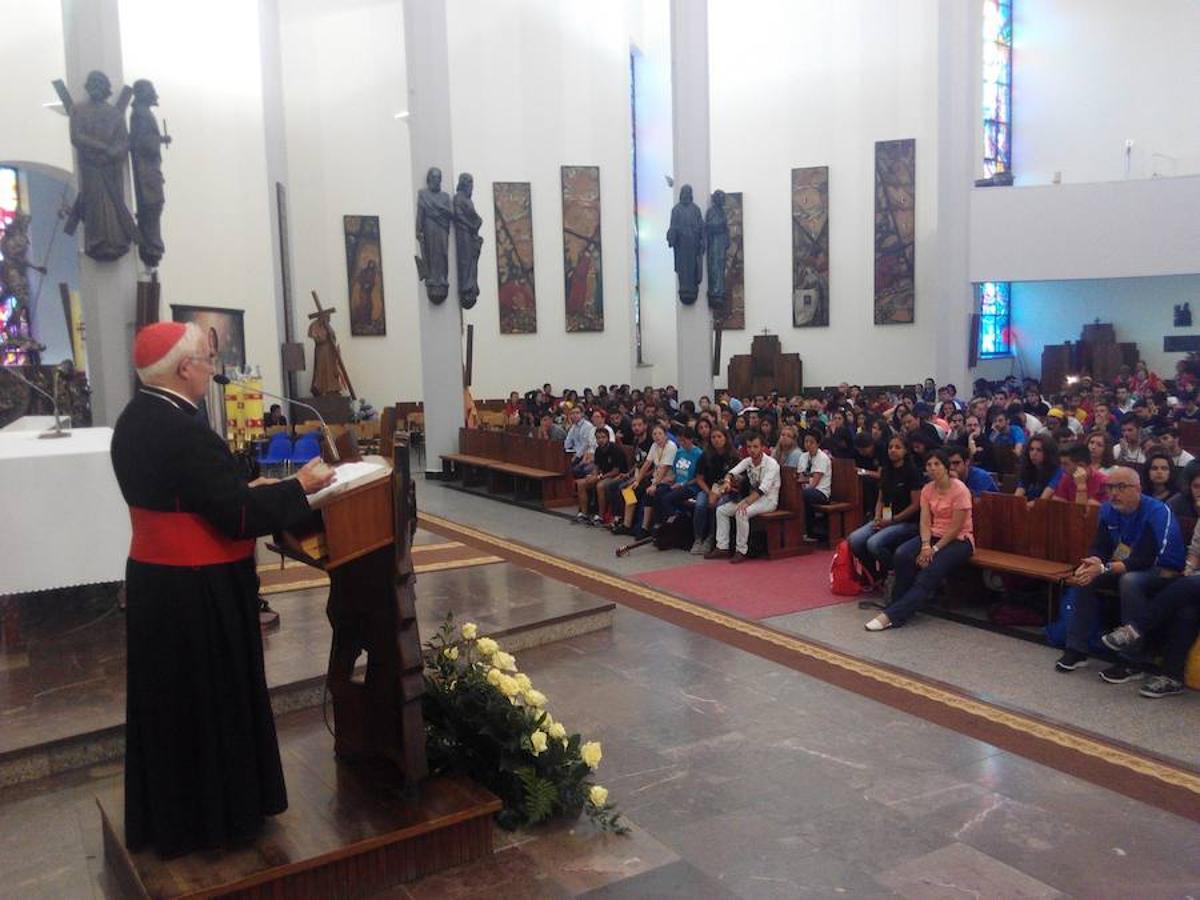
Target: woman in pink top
945 543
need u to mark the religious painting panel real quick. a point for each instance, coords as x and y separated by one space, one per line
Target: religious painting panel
581 248
364 275
735 264
810 247
895 231
225 330
514 257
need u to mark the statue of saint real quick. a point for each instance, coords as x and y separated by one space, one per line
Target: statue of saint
686 238
467 242
99 135
145 147
434 215
326 378
716 233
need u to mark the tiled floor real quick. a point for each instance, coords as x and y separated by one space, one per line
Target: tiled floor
743 779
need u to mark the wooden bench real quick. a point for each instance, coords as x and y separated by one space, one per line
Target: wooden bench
525 467
1045 543
784 527
1189 437
844 510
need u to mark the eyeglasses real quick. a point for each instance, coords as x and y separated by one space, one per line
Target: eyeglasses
1120 486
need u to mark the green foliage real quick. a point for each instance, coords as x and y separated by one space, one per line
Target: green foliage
474 727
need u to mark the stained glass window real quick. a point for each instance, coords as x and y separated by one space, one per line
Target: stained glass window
12 319
997 86
995 316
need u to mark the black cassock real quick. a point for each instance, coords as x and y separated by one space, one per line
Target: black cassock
202 764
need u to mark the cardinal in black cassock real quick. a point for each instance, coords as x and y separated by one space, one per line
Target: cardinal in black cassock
202 763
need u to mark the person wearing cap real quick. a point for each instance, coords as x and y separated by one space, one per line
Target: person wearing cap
202 765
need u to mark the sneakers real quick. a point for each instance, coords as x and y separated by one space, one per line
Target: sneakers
597 521
1161 686
1122 640
620 529
1120 673
717 553
1070 661
738 558
697 547
580 518
880 623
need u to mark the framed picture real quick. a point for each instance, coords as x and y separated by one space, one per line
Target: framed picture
224 328
364 275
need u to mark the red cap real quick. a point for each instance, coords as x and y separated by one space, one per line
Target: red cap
155 341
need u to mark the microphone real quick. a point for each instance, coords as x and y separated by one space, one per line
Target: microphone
57 430
225 379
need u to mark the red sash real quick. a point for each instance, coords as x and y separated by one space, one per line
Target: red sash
181 539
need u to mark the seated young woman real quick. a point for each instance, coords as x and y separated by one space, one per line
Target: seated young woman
609 463
1186 504
1040 470
656 470
715 464
945 543
787 452
1082 481
1100 452
896 514
1158 477
684 486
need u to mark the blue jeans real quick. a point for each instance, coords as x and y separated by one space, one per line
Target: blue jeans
812 498
1135 588
874 549
1172 618
914 585
672 501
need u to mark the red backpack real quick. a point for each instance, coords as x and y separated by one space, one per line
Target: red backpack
844 572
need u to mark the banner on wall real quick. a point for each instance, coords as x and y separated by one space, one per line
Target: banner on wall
735 263
895 231
584 282
514 257
810 247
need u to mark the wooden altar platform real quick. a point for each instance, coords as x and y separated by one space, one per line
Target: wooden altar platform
346 833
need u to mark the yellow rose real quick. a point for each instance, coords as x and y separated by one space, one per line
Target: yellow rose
508 686
557 731
535 698
504 661
494 676
538 740
590 754
469 630
451 653
598 796
486 646
523 681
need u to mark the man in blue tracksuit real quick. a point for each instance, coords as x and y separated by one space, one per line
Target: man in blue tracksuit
1138 550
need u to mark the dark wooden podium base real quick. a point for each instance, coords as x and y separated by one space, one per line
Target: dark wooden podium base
342 839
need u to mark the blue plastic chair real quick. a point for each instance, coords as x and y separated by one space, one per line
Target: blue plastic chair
308 446
279 451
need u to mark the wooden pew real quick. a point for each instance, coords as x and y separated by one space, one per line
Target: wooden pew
844 509
784 528
1189 437
506 462
1044 543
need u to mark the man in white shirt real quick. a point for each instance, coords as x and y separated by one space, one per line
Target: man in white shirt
762 472
1170 441
579 435
1128 451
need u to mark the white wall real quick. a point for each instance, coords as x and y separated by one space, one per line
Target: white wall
31 45
817 83
347 154
1140 309
205 62
534 85
1091 73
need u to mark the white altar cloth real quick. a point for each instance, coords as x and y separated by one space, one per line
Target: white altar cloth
32 423
65 522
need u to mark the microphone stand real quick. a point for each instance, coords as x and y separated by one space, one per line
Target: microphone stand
225 379
57 431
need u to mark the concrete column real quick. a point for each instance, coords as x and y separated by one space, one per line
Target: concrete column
427 63
959 79
108 290
689 120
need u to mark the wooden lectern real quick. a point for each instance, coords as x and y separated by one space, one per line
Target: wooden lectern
361 534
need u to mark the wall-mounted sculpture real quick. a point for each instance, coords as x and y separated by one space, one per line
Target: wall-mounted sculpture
581 248
716 243
810 246
686 237
514 257
467 242
101 140
895 231
145 149
434 217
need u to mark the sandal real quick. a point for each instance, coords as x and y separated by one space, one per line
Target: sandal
880 623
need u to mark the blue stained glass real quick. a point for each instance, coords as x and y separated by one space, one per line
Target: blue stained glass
995 312
996 104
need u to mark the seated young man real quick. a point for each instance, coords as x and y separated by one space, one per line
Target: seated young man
1138 549
815 474
976 479
762 475
607 464
1172 617
1082 480
685 488
579 442
1169 438
629 479
1129 451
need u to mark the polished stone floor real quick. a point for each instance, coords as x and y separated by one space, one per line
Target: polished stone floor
743 778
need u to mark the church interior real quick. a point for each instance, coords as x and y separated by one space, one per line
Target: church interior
610 448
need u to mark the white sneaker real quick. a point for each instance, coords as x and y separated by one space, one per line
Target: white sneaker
697 548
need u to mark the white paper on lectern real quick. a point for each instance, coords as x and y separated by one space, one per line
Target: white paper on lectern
349 475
